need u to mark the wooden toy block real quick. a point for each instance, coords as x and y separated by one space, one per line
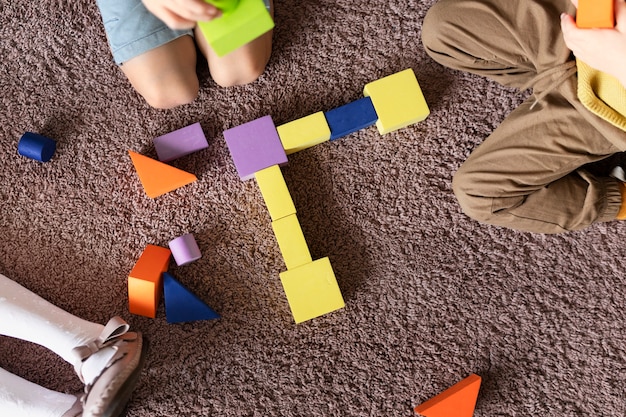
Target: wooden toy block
181 305
595 14
158 178
37 147
224 5
145 281
459 400
255 146
185 249
351 117
398 101
291 241
237 26
275 192
312 290
304 133
180 142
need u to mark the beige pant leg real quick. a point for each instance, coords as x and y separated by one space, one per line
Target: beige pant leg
529 174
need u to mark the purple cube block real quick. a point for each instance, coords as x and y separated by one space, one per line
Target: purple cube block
180 142
255 146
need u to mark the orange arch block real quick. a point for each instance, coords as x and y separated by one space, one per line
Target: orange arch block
457 401
158 178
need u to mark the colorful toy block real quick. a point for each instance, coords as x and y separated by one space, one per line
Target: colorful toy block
312 290
145 281
255 146
304 133
398 101
180 142
185 249
291 241
595 14
37 147
459 400
181 305
351 117
224 5
237 26
275 192
158 178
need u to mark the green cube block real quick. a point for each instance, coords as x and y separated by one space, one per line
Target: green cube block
237 27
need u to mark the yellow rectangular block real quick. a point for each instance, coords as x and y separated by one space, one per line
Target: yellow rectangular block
275 193
312 290
291 241
398 101
145 282
304 133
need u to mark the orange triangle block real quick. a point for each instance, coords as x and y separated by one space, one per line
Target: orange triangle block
457 401
158 178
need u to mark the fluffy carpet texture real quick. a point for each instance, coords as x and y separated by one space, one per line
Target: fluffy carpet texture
431 295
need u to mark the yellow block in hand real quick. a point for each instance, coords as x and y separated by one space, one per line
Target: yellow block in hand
304 133
398 101
275 192
291 241
312 290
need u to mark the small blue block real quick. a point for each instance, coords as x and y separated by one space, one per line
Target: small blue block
181 305
351 117
35 146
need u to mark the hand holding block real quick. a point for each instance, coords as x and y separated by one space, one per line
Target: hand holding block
595 14
224 5
255 146
459 400
237 27
398 101
145 281
312 290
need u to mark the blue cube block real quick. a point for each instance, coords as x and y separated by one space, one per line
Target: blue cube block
351 117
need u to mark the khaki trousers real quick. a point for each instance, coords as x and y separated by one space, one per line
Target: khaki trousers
538 171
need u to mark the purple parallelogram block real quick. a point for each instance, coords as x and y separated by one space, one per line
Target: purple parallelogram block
255 146
180 142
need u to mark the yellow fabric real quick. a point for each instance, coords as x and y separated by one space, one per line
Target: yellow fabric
602 94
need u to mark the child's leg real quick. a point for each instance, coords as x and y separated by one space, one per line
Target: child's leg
528 174
21 398
241 66
509 41
159 62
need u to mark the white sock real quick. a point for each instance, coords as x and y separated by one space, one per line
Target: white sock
22 398
29 317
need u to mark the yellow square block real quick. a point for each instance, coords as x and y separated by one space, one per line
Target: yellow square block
398 101
304 133
145 281
312 290
275 192
291 241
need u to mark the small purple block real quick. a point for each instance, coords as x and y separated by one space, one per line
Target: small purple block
255 146
185 249
180 142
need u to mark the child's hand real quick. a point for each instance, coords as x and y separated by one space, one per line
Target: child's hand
181 14
603 49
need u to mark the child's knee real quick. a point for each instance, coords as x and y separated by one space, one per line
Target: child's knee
170 96
473 202
244 74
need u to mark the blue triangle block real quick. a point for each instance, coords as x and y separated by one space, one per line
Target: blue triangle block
181 305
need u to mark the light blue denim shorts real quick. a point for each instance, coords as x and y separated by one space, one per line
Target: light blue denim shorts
132 30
